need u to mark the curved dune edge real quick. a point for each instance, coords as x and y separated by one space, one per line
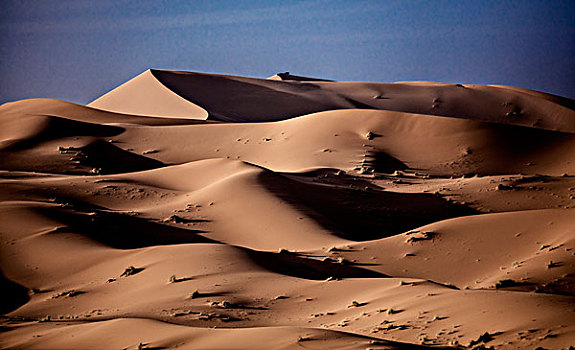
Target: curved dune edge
155 334
330 139
564 101
240 99
519 234
332 222
144 95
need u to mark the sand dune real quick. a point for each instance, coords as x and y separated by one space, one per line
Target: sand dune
145 95
231 98
141 332
302 213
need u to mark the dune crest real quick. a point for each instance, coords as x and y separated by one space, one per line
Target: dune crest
240 99
145 95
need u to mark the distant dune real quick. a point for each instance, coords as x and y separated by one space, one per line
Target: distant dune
201 211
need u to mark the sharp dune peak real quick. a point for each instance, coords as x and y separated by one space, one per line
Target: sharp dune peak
145 95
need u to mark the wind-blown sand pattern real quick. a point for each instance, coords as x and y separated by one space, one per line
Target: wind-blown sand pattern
204 211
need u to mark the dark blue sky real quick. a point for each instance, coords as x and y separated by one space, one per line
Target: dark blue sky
78 50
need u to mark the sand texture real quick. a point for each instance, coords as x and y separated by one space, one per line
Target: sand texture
200 211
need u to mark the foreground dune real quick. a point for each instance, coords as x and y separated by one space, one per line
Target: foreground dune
203 211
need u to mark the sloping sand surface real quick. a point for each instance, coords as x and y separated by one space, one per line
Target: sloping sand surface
145 95
231 98
150 333
304 213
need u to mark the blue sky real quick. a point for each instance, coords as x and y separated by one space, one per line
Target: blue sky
78 50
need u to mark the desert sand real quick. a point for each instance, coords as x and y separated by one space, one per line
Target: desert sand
201 211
